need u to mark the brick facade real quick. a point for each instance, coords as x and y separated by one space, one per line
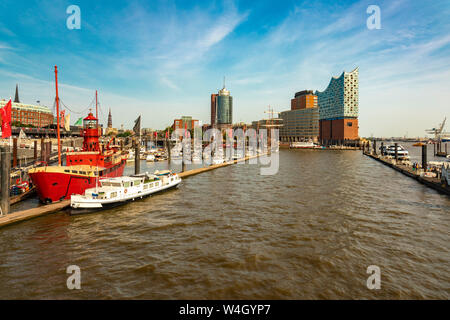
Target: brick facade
340 129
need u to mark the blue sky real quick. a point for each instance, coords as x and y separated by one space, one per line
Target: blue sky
163 59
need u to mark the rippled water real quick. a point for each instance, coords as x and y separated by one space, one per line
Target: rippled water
309 231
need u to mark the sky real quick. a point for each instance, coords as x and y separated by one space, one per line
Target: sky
163 59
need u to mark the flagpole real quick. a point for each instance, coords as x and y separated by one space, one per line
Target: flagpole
57 117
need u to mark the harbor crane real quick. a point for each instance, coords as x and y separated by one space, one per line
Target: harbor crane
439 131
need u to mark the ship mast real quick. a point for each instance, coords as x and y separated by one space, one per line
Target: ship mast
57 116
96 109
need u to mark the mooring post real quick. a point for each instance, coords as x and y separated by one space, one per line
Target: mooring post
375 147
434 149
42 150
382 149
396 152
35 150
424 157
168 150
5 180
446 149
14 152
137 158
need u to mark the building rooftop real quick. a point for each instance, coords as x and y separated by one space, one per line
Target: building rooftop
25 106
303 93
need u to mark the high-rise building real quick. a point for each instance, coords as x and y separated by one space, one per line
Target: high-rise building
338 108
222 109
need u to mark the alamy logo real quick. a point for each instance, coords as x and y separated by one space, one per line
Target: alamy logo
374 280
373 21
74 20
73 281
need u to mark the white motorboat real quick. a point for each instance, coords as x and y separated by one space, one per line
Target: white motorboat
402 153
150 158
304 145
114 191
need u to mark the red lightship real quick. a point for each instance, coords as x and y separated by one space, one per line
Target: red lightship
83 169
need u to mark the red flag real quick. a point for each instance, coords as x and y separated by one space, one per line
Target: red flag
167 134
156 134
6 120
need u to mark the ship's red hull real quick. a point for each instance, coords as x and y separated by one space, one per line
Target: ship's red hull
55 186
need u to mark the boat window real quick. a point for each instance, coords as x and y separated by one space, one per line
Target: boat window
126 184
151 185
74 171
113 194
105 184
66 170
82 172
145 186
136 183
116 184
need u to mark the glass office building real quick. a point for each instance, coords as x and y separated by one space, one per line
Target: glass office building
224 104
300 125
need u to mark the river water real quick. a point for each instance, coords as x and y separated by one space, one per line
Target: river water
308 232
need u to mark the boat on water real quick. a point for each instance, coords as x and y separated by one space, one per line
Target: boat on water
150 158
118 190
389 150
304 145
54 183
82 168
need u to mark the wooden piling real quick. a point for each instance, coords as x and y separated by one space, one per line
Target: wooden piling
35 151
396 151
168 150
424 157
5 180
375 147
42 150
137 158
382 149
14 152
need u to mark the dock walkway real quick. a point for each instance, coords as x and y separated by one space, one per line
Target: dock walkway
18 216
434 183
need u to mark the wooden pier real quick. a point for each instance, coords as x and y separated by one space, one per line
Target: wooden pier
434 183
18 216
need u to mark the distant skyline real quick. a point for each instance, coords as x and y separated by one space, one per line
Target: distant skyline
163 59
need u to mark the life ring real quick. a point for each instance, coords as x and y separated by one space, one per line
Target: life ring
125 191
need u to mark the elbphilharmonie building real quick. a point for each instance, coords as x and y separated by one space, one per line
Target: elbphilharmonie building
338 108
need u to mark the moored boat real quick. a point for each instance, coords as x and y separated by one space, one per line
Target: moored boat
114 191
82 168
